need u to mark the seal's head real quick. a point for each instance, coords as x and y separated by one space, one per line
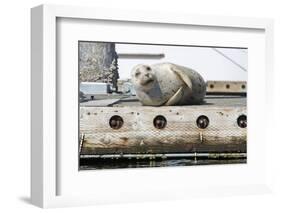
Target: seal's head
143 76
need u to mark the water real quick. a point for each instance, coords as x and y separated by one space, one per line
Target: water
95 164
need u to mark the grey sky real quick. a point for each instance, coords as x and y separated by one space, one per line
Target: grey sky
218 64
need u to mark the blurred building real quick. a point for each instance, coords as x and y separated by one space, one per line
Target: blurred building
98 62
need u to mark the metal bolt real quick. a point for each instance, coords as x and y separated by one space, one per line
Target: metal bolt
116 122
202 122
242 121
160 122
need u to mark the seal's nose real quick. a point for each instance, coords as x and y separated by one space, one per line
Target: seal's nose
147 75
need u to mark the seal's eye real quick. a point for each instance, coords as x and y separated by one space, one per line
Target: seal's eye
148 68
137 74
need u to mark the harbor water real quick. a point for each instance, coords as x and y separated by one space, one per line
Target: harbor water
93 164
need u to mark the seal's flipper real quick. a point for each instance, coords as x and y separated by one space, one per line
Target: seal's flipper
183 75
176 98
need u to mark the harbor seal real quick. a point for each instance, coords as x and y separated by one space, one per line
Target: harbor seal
167 84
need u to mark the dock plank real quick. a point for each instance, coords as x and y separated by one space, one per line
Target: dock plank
181 134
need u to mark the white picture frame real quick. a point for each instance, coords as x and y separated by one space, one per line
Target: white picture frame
47 167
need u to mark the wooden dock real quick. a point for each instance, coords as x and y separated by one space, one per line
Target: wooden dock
109 126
